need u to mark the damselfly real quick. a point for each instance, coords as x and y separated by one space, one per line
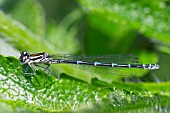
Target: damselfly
107 61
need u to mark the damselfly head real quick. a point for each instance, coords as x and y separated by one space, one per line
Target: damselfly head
24 58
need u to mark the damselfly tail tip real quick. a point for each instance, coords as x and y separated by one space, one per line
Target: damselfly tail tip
156 66
152 67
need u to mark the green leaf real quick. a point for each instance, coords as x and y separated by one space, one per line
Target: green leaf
19 34
70 94
7 108
149 18
63 35
31 14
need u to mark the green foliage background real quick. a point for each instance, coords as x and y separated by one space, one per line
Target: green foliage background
84 27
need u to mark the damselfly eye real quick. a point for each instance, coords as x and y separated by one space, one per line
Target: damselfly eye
24 56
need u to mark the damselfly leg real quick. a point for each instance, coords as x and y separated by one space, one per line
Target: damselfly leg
44 68
29 75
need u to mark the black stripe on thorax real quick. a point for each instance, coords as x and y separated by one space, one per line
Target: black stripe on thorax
37 54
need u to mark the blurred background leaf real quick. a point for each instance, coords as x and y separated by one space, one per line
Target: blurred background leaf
91 27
